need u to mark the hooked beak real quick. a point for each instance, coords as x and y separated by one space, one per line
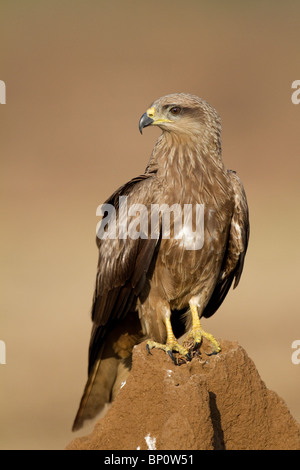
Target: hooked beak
145 121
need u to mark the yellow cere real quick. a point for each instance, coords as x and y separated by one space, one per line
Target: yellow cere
151 112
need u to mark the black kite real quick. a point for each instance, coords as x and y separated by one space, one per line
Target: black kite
142 282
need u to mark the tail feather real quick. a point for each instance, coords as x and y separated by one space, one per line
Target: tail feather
110 369
97 391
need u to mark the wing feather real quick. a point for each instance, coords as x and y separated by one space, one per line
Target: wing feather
122 269
235 252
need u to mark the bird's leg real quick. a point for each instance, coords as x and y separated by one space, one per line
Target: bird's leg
171 344
198 333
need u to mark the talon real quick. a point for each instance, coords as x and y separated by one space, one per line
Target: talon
171 356
214 351
188 357
148 349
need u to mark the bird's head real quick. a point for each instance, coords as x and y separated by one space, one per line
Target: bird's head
182 113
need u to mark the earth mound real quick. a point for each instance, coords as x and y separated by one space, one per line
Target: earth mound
211 402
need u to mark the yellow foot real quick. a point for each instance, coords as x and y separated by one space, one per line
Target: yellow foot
169 348
198 334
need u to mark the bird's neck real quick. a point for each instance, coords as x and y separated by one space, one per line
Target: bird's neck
178 155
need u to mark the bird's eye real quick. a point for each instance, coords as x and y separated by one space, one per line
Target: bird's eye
175 110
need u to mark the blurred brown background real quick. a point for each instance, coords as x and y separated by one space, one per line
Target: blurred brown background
79 74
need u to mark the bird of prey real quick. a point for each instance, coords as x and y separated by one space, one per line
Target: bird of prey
144 284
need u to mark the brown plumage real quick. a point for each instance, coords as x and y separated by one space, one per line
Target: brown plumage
141 282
